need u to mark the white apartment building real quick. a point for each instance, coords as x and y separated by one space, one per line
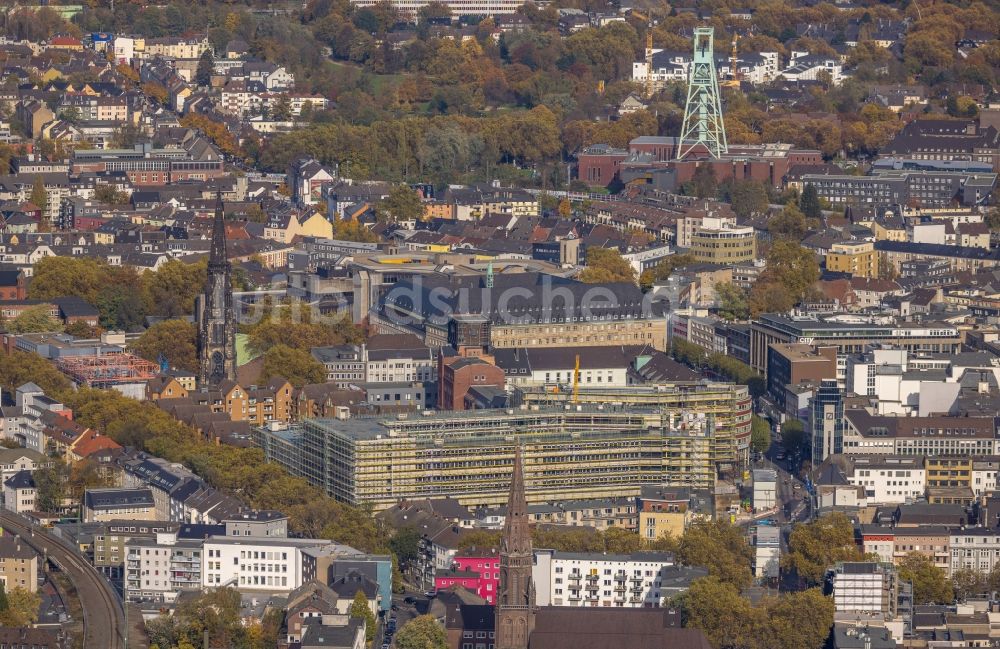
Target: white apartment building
594 579
665 66
888 480
803 66
975 548
599 366
399 365
13 460
171 47
19 493
23 423
984 475
271 565
160 568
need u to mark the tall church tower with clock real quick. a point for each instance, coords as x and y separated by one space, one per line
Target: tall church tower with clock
214 312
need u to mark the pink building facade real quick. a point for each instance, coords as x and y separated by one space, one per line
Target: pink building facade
479 574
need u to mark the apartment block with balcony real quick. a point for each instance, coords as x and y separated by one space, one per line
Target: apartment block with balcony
160 568
639 580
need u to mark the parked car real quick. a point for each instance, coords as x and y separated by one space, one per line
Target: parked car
409 599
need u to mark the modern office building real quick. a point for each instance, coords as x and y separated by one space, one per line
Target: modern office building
849 336
587 450
826 421
905 187
719 240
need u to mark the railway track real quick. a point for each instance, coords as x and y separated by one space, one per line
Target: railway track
103 619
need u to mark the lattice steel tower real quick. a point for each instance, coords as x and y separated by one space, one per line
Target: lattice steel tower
703 124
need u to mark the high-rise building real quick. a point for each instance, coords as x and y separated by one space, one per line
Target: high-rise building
826 422
515 609
214 312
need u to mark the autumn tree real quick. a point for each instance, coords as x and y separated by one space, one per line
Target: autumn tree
18 368
206 66
809 202
282 109
664 269
293 325
732 301
50 483
34 319
352 230
40 198
296 365
760 434
791 272
968 582
814 547
362 610
21 609
790 224
606 265
799 620
422 632
748 198
405 543
793 435
108 194
930 583
170 291
719 546
402 204
174 340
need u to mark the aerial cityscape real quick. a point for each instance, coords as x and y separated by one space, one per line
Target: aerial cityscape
500 324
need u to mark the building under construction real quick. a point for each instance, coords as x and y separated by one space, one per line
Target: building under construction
124 372
604 445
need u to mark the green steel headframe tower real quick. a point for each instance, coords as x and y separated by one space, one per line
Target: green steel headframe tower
703 124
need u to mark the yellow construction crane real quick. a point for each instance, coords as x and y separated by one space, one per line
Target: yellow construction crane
734 71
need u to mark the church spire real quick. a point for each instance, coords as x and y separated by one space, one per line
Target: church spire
515 609
214 313
516 533
218 256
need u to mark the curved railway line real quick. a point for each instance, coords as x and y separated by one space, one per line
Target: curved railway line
103 619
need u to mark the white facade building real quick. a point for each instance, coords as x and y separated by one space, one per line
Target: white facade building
756 68
765 489
984 475
888 480
975 548
160 568
255 564
594 579
767 551
806 67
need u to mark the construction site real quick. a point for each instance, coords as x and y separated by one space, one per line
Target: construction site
124 372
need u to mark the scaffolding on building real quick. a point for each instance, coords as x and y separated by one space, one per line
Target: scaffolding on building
107 370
